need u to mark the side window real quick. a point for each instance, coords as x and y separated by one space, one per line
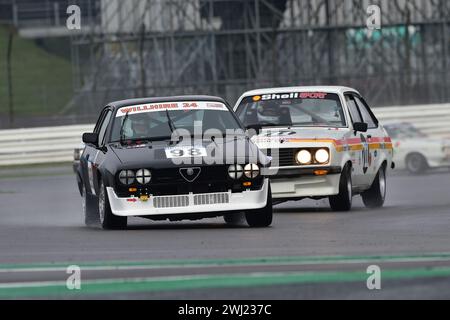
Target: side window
103 126
353 109
366 114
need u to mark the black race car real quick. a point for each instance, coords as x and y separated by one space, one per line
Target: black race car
172 158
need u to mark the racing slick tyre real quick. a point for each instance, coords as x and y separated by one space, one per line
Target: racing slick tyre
108 220
261 218
90 209
234 219
416 163
343 200
375 196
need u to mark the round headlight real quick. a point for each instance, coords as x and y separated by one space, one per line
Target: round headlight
235 171
251 170
143 176
303 157
322 156
126 177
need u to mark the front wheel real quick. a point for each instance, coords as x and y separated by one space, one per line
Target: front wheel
107 219
375 196
261 218
90 209
343 200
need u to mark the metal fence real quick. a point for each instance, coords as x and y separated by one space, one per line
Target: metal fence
222 47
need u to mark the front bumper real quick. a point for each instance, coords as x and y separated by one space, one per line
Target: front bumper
188 203
292 183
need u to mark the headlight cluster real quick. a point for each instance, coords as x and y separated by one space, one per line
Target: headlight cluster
142 176
312 156
250 171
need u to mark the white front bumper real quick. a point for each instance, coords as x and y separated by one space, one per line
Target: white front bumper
189 203
306 186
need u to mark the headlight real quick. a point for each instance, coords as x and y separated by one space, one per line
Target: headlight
126 177
304 157
251 170
143 176
235 171
322 156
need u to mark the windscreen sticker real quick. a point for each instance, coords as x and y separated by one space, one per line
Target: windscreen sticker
182 105
292 95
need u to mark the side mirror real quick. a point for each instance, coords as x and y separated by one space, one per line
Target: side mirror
90 138
360 126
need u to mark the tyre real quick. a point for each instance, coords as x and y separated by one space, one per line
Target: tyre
343 200
261 218
416 163
107 219
375 196
90 209
233 219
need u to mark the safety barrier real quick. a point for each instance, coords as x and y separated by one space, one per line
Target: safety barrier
432 119
40 145
56 144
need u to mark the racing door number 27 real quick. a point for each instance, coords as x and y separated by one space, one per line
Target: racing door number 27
185 152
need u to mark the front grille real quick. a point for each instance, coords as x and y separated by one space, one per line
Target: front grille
173 176
171 201
211 198
169 181
282 157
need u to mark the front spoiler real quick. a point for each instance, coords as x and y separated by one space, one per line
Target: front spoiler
296 172
189 203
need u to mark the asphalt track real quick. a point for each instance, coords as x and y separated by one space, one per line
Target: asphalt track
308 253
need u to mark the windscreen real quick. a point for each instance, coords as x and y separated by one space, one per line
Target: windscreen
303 109
156 120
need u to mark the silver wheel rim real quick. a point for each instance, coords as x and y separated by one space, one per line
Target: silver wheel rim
83 199
101 204
382 183
349 189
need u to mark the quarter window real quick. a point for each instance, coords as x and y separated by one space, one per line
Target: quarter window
103 127
366 114
353 109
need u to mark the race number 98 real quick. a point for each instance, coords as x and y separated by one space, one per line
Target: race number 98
185 152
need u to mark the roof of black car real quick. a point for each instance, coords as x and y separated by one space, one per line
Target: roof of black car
128 102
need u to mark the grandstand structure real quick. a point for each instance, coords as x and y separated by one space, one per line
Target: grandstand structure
224 47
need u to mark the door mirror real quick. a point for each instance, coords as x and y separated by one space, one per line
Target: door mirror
91 138
360 126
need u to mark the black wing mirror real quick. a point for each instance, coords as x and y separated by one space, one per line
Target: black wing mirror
360 127
90 138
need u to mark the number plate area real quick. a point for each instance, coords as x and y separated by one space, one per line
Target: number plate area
185 152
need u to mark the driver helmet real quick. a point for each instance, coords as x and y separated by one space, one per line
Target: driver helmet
140 128
268 111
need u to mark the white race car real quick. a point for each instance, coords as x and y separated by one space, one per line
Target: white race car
414 150
324 142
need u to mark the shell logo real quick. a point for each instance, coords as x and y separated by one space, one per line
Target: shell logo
256 98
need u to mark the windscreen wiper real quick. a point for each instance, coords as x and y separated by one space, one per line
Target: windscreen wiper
150 139
171 124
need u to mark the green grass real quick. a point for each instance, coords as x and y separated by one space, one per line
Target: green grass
42 82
